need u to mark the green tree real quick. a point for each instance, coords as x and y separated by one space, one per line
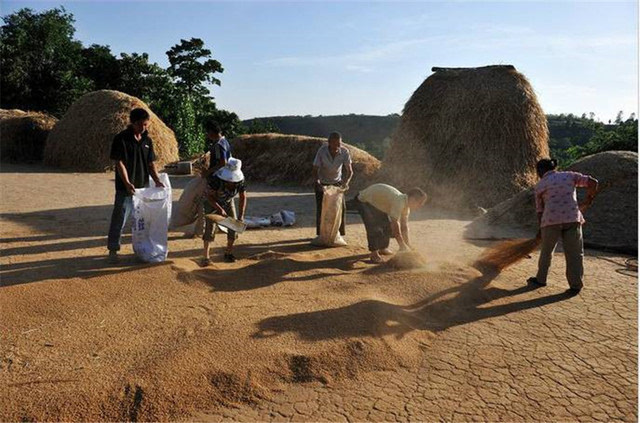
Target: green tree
229 122
100 66
192 66
40 61
184 125
623 136
261 126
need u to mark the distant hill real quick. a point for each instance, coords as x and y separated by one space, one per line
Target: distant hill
373 133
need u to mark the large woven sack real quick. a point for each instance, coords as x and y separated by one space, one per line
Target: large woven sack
332 202
186 210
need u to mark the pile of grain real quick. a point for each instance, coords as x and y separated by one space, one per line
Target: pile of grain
24 134
82 139
471 136
407 260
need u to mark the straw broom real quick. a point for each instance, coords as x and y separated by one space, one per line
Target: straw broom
507 253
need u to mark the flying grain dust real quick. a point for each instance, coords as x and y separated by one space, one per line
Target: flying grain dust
407 260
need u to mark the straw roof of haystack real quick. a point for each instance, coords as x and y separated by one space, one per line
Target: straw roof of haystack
82 139
288 159
611 221
471 136
23 134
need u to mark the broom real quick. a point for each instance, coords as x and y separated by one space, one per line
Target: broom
512 251
507 253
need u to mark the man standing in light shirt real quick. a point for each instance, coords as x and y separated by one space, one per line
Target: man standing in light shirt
331 159
385 213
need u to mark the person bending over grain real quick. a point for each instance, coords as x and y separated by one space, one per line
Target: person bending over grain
385 213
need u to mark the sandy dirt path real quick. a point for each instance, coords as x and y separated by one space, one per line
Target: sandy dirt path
292 332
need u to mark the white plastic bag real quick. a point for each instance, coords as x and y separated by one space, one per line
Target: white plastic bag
288 217
276 219
256 222
151 217
332 202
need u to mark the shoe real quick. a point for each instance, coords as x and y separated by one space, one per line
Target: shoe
386 252
206 261
113 257
229 258
535 281
339 241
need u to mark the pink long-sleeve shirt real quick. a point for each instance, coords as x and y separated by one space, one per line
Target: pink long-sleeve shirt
556 197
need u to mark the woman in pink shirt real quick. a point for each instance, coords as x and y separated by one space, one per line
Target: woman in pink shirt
560 216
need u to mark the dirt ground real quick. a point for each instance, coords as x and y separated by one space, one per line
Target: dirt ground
291 332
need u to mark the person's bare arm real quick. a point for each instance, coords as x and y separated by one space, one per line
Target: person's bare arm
316 178
348 174
124 175
592 190
212 198
154 174
397 234
539 233
242 205
404 229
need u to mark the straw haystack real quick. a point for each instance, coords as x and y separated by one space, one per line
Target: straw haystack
82 139
471 136
23 135
288 159
611 221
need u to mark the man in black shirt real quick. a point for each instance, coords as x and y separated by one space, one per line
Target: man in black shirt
132 151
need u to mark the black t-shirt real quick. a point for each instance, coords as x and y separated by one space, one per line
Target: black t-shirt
136 156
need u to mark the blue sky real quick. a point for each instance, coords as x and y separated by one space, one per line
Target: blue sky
311 58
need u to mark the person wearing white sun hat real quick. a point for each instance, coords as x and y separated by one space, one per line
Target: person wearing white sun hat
222 188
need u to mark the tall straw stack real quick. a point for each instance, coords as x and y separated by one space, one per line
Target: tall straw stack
471 136
82 139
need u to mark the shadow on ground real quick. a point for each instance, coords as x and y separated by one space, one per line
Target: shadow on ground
264 273
374 318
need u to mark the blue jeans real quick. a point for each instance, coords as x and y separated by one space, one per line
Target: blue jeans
122 208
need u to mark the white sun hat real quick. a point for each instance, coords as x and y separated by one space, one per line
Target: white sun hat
231 171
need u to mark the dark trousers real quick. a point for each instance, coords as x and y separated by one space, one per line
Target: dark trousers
122 207
319 197
571 235
376 223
